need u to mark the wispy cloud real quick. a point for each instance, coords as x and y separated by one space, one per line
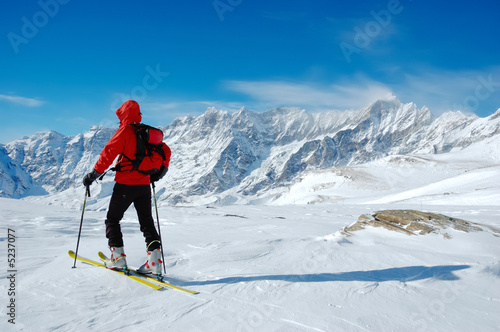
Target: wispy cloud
162 111
475 91
346 95
440 90
23 101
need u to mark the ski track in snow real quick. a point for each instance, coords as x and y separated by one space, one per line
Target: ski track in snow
280 268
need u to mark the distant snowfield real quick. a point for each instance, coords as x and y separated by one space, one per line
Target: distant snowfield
466 177
257 268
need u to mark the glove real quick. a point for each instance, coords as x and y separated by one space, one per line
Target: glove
158 175
89 178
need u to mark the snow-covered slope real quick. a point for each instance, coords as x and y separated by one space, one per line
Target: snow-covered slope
246 156
464 176
257 268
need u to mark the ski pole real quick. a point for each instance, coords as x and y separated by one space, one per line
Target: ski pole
159 231
87 193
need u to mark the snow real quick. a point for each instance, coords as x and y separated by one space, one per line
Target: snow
244 156
463 177
257 268
278 260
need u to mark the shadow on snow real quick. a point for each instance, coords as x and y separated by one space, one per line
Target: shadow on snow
402 274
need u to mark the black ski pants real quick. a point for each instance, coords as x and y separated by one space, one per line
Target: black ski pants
123 196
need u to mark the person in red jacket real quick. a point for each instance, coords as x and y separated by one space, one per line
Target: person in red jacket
130 187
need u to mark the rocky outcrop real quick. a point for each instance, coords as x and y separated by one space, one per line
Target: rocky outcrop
413 222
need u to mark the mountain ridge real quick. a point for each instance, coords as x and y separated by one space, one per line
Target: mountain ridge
246 153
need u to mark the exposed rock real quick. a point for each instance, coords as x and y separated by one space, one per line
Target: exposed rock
413 222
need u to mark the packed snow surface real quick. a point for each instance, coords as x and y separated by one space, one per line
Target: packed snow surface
257 268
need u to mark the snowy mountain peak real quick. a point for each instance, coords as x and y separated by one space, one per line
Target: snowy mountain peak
495 116
228 157
389 104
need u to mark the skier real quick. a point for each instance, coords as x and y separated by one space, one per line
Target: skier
130 187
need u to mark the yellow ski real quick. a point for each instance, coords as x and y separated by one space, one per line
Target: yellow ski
164 283
158 279
131 276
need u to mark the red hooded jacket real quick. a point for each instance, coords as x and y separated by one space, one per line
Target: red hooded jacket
124 142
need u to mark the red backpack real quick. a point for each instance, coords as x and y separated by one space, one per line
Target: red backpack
149 156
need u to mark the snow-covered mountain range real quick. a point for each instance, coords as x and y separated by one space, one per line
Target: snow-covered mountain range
246 157
298 267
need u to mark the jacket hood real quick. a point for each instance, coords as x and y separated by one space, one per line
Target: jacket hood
129 113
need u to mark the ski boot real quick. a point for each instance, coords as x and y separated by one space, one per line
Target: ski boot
153 264
118 260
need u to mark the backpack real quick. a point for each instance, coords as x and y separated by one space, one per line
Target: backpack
149 156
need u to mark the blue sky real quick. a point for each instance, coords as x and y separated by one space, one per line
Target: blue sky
68 64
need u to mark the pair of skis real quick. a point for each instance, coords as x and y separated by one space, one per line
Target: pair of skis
155 282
